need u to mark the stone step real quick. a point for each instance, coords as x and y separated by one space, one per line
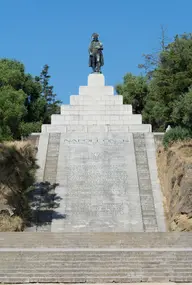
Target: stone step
146 194
75 266
96 119
95 112
96 240
105 108
65 128
98 100
96 90
51 164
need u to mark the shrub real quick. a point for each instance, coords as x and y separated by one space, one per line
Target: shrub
17 175
176 134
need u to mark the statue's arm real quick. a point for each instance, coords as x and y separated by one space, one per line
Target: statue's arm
90 49
100 46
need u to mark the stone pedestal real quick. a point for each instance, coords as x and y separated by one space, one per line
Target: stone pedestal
96 108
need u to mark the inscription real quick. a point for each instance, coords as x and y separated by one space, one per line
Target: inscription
97 141
93 210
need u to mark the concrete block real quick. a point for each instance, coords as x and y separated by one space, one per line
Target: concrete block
118 109
96 91
76 128
83 100
99 119
118 128
96 128
53 129
96 80
140 128
137 128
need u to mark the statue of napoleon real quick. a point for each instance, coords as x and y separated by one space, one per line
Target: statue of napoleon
96 59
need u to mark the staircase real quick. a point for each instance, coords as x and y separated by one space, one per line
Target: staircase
100 216
95 257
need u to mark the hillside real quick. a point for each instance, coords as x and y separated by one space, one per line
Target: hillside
175 174
18 165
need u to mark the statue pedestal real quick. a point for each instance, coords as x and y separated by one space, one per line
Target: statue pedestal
96 109
96 80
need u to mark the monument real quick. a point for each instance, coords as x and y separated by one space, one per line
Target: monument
103 159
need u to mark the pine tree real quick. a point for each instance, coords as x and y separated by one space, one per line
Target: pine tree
52 105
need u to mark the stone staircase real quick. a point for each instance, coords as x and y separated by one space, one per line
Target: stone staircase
100 218
145 187
95 257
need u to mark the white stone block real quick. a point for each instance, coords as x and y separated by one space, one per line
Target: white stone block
93 129
75 109
140 128
120 128
96 91
80 102
143 128
53 129
99 119
76 128
96 80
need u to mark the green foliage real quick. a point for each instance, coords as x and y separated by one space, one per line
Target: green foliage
176 134
12 73
182 110
134 90
171 79
28 128
164 95
52 105
12 110
25 102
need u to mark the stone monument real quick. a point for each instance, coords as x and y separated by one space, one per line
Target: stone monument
103 159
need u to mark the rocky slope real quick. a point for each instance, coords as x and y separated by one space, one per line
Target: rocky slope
175 174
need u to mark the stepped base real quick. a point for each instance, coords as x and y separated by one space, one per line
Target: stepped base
64 128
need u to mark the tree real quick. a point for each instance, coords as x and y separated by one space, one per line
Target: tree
52 106
134 90
25 101
152 60
182 110
171 78
12 111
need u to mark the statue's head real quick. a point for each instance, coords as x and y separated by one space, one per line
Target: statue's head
95 36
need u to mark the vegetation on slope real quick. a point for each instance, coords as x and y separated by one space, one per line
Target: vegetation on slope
18 166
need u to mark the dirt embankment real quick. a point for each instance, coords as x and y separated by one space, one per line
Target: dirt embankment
175 174
17 173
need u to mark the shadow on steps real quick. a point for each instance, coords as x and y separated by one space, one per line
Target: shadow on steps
43 202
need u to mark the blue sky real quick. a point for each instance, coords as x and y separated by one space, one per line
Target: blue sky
57 33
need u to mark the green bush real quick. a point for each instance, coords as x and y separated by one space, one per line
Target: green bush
176 134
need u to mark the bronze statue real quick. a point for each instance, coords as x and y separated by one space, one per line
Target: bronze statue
96 59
